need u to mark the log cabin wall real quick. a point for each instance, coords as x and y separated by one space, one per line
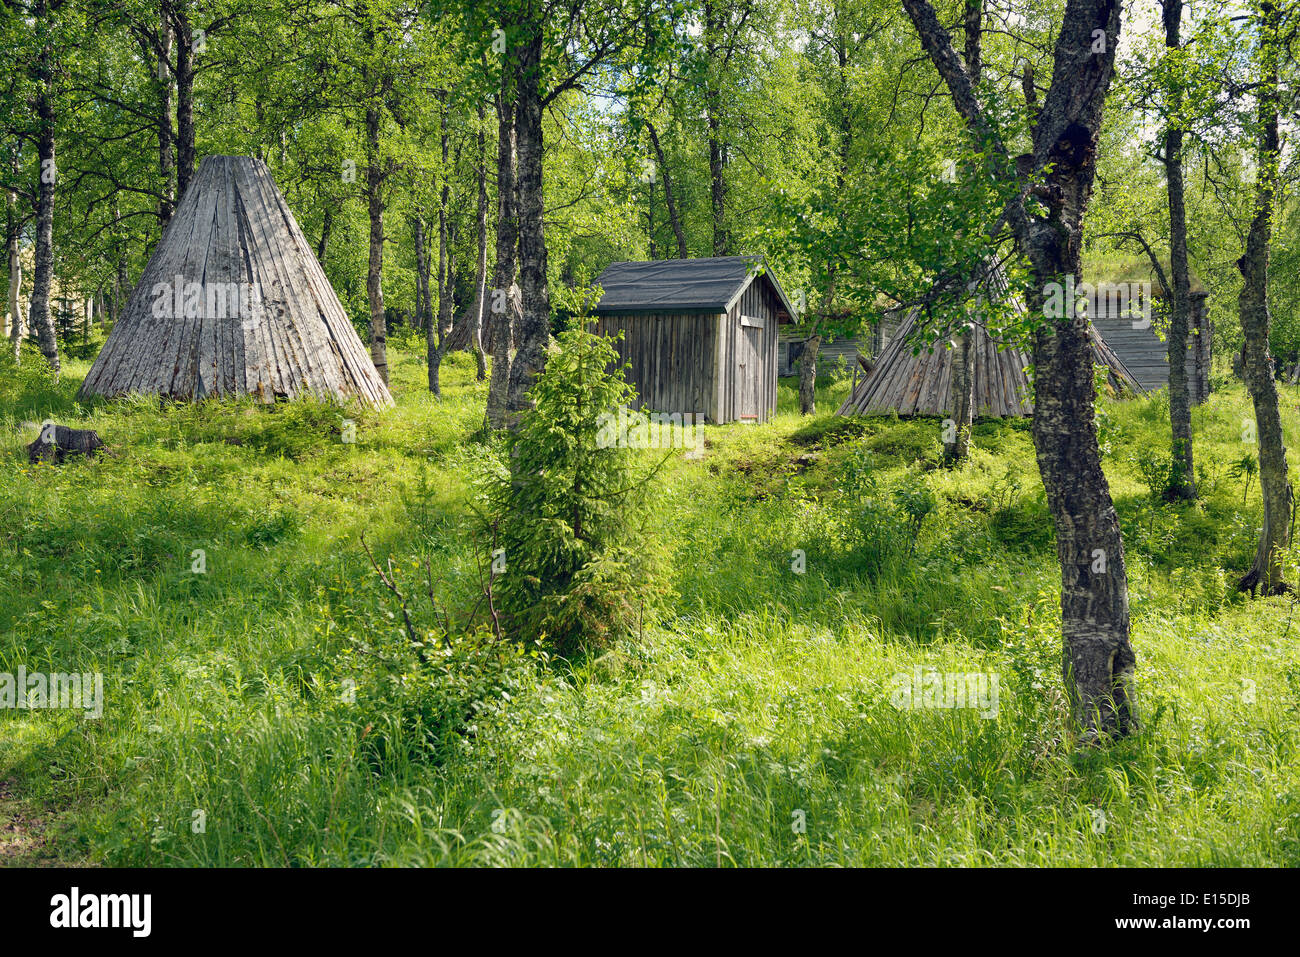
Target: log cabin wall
1147 355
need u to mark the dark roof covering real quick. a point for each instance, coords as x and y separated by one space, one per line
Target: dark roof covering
685 285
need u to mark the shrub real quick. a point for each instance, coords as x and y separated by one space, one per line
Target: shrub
566 512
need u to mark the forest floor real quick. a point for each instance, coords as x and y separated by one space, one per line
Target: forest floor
210 567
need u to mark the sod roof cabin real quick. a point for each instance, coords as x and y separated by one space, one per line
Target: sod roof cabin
914 377
699 335
1130 308
234 302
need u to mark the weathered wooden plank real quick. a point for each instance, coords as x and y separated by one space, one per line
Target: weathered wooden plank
233 226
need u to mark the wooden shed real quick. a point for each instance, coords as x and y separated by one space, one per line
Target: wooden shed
700 335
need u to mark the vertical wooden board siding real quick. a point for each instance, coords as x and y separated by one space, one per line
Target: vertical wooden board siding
272 293
747 376
701 363
689 362
350 354
227 242
259 334
733 332
684 363
667 357
667 387
645 358
675 357
719 337
256 336
170 333
760 301
319 361
771 334
185 376
711 360
292 370
167 337
233 226
660 347
112 371
295 369
210 346
302 334
728 369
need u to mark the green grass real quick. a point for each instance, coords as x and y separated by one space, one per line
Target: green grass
761 699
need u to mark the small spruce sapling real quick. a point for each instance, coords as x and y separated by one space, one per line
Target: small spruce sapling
568 511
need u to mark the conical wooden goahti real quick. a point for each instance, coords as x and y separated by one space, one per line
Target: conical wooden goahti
921 384
285 334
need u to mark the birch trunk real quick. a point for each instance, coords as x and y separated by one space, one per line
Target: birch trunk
480 276
503 279
436 333
166 136
121 275
718 188
534 333
15 269
186 153
808 376
961 397
1097 657
375 267
714 25
39 317
1274 481
674 216
1182 476
421 277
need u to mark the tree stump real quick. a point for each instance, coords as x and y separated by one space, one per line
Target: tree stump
57 442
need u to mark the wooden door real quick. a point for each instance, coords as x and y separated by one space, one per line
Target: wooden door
748 369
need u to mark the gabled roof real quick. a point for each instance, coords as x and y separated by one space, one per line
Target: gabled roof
683 285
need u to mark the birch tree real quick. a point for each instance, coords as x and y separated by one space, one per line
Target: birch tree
1274 479
1098 659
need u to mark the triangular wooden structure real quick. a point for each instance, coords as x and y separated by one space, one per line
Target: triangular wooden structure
233 301
921 384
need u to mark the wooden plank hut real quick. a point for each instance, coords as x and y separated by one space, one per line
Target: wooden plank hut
233 301
912 377
699 334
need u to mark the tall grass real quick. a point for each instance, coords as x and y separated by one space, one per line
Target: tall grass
267 712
